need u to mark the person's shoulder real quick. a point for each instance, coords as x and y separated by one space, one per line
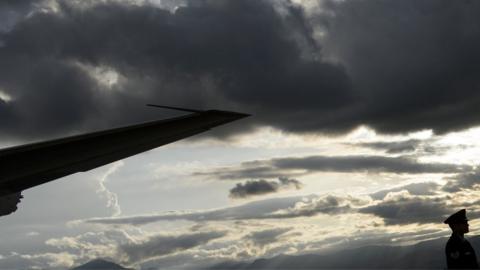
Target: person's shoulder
453 241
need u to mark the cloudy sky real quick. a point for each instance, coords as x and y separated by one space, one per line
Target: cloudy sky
364 131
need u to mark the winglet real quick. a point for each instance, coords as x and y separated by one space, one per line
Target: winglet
175 108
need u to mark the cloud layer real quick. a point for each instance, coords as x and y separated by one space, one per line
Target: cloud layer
261 187
420 203
293 166
74 66
161 245
397 68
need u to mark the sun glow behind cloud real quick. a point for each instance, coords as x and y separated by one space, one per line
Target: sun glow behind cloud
4 96
106 76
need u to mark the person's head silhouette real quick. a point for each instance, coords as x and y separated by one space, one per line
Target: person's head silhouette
458 222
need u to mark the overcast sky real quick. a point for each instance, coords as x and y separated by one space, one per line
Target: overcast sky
364 126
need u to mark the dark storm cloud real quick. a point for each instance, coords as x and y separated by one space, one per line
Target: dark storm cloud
261 187
163 245
426 188
214 54
13 10
400 66
416 147
343 164
252 187
393 147
364 163
415 62
406 209
246 171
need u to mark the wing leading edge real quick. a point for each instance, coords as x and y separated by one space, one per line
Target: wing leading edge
30 165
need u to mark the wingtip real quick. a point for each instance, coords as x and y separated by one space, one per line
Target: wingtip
235 115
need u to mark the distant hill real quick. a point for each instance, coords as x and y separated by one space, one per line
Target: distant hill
424 255
100 264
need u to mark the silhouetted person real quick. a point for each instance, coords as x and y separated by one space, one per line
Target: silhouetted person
459 252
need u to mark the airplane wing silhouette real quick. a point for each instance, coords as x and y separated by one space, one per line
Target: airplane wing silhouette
27 166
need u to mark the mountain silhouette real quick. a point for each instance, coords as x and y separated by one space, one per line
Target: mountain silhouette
424 255
100 264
